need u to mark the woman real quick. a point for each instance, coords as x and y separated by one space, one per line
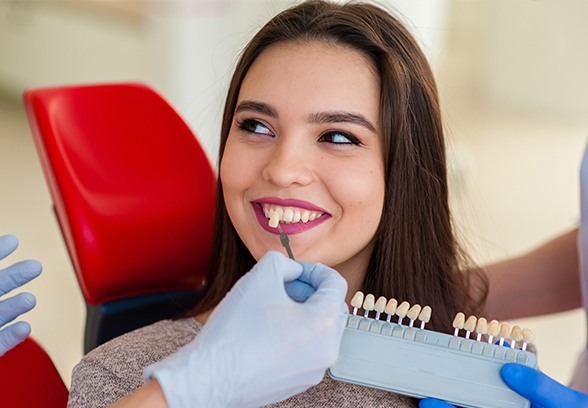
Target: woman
332 118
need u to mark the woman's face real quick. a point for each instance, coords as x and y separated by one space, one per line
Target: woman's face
305 142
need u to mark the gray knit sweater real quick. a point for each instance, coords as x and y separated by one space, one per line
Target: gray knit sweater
115 369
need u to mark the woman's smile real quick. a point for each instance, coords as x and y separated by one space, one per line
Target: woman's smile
295 216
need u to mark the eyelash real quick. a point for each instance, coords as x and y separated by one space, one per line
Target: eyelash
249 126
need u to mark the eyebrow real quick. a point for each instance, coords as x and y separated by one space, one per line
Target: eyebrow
257 107
341 117
319 117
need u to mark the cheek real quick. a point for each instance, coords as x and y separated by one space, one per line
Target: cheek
362 192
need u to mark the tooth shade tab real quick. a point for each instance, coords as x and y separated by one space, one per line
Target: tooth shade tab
391 307
368 304
413 312
425 316
481 328
357 300
504 332
459 321
402 309
380 305
274 219
528 335
470 323
516 334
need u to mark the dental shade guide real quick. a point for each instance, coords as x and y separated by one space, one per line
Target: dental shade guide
274 222
422 363
285 243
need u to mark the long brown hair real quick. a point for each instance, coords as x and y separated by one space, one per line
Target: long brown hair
416 256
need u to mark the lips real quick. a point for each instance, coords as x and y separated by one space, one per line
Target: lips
295 216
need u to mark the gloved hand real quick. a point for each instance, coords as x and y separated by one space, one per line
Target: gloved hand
11 278
260 345
541 390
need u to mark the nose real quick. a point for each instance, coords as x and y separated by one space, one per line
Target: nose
289 164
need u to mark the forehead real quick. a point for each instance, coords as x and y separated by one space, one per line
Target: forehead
315 75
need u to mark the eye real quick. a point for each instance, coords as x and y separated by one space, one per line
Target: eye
254 126
338 137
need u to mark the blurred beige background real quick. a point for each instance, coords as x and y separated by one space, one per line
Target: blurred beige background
514 83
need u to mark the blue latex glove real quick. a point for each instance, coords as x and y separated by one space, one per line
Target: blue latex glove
11 278
260 345
542 391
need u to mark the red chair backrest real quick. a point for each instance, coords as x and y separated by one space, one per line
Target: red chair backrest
28 378
132 188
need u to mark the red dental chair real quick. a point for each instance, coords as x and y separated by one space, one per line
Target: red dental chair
134 195
28 378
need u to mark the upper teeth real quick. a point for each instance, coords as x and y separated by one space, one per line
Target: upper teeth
289 215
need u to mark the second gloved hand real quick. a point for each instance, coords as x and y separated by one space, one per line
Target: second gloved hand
11 278
541 390
260 345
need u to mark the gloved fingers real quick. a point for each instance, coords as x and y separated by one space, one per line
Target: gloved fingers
298 290
541 389
13 307
8 243
330 285
274 263
13 335
18 274
434 403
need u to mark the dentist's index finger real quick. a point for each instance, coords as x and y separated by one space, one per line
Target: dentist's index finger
8 244
325 280
18 274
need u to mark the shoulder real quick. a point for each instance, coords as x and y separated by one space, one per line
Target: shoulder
115 369
330 393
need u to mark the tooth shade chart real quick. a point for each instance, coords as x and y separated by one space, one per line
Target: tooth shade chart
504 331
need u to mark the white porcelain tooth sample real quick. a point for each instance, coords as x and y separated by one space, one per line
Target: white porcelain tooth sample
528 337
470 323
368 304
402 309
274 219
413 312
481 327
458 323
390 309
357 301
380 305
425 316
516 334
493 330
504 332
